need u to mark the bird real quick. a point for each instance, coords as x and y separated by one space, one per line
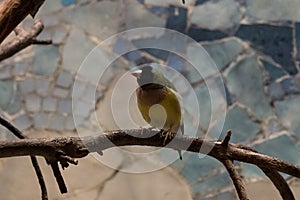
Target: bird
158 101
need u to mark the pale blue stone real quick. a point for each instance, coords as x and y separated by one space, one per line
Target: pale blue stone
245 82
223 196
79 120
212 184
124 47
212 105
65 79
68 2
197 167
45 60
46 34
138 15
99 94
161 44
79 90
95 18
220 15
159 10
275 91
189 104
59 35
288 111
251 171
61 93
50 6
50 20
27 85
223 52
40 120
33 103
15 105
201 65
42 87
6 91
107 76
82 108
273 10
65 106
270 147
204 103
50 104
27 23
272 126
90 93
176 62
5 72
77 47
57 122
6 135
22 122
244 130
20 68
69 123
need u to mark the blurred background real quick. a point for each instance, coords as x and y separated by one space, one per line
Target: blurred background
254 90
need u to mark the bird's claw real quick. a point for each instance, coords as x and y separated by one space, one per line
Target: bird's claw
167 134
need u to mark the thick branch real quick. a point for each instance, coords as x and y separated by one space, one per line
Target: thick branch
65 149
75 147
12 12
279 182
22 40
237 180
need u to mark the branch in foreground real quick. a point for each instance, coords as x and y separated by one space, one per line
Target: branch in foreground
34 161
236 178
12 12
280 184
23 40
75 147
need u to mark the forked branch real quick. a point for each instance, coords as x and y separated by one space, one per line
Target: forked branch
75 147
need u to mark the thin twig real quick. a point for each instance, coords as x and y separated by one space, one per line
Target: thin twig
280 183
34 161
22 40
226 140
237 180
39 174
59 179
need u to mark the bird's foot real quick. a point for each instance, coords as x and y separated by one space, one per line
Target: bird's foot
167 134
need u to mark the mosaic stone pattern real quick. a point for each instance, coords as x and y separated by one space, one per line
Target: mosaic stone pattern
255 45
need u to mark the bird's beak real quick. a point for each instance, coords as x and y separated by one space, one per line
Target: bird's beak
137 73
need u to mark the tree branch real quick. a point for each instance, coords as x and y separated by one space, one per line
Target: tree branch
75 147
12 12
22 40
279 182
34 161
237 180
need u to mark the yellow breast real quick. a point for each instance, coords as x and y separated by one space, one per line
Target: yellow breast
165 114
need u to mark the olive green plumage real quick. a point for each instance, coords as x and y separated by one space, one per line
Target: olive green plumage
158 100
